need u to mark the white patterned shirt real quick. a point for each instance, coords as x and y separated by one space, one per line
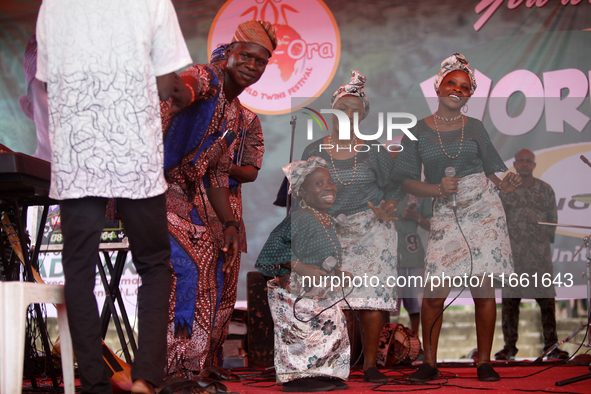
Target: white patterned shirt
100 59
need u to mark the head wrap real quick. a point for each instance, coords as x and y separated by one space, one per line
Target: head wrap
219 54
30 61
353 88
456 62
257 32
297 171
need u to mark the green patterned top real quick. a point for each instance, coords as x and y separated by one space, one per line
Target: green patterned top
298 236
371 178
477 155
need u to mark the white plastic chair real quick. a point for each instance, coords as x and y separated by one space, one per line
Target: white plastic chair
15 297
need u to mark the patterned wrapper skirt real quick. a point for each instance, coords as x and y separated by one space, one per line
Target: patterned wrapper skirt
369 253
318 346
482 220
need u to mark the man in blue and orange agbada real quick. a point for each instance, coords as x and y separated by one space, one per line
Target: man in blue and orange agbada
200 139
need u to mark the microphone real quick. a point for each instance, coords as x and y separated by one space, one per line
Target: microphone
328 265
451 172
585 160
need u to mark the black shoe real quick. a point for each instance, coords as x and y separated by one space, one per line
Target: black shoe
486 373
506 353
373 375
337 383
425 373
557 354
306 385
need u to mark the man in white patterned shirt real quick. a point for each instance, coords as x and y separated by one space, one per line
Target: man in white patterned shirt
107 64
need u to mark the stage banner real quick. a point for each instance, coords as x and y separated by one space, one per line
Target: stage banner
531 57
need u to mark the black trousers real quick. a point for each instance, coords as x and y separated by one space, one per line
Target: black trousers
510 321
145 224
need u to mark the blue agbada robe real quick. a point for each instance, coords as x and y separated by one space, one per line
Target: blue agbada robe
186 136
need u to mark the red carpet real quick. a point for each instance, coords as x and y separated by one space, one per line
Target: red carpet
460 378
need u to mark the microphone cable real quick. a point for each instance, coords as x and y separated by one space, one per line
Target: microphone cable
457 296
342 299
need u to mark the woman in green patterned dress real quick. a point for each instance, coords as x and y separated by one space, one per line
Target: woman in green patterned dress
477 250
311 341
363 173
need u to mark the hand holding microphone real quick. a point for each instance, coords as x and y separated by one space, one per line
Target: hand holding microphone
329 265
449 185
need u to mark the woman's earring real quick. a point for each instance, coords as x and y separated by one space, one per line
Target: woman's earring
465 108
303 204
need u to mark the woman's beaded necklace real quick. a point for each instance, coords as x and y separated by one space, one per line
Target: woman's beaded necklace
331 141
322 218
435 116
326 222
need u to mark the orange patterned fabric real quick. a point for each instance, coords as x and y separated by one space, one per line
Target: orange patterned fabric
257 32
197 313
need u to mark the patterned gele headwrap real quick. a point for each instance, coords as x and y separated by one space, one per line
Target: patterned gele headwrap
456 62
353 88
297 171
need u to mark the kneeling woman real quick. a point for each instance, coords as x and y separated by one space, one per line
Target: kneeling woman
311 342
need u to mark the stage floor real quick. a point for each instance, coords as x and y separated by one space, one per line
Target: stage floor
460 377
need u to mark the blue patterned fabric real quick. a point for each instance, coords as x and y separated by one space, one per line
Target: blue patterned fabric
186 288
186 132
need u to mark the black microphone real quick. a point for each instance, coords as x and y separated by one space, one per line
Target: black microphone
451 172
585 160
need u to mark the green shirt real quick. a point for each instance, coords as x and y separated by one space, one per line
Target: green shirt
298 236
477 153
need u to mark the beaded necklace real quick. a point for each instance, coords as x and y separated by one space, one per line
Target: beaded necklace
322 218
436 115
330 141
439 135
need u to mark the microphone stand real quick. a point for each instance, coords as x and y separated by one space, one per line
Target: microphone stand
293 126
587 275
588 325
